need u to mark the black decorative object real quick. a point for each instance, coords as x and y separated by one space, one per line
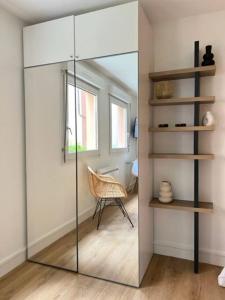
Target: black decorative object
208 57
135 128
181 125
163 125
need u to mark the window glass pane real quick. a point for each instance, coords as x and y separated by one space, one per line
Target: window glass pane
87 125
86 120
118 126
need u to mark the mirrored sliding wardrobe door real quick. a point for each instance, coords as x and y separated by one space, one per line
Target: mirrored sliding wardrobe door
107 139
51 167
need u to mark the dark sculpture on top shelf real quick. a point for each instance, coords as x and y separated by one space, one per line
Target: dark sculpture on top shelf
208 57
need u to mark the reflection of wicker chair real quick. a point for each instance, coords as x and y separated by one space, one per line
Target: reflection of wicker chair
106 189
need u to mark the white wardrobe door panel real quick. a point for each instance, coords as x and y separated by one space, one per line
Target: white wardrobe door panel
49 42
106 32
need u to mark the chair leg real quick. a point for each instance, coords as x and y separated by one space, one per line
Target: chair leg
125 211
120 207
96 209
100 212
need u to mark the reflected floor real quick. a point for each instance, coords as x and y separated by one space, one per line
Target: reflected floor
61 253
110 252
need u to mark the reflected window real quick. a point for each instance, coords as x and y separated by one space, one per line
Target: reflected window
119 121
87 118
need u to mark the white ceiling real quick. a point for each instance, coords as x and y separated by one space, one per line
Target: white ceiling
122 68
40 10
158 10
161 10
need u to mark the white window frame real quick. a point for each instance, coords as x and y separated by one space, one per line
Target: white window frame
123 103
88 87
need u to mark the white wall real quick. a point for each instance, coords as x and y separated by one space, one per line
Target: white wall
174 48
12 199
51 188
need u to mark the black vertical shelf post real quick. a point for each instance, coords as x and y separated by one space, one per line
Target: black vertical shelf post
196 162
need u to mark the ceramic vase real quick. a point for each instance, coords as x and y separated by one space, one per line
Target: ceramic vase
165 192
208 119
164 89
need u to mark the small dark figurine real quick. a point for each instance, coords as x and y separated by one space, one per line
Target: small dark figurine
208 57
180 125
163 125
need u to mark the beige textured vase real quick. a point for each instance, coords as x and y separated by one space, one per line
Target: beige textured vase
164 89
165 192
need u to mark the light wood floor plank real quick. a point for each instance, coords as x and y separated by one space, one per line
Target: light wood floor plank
166 278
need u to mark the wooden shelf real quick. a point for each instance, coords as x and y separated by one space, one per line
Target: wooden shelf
204 207
182 101
196 72
182 156
182 73
181 129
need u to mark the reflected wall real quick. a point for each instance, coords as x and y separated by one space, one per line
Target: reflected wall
51 177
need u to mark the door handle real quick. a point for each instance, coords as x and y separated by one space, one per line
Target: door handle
65 116
70 130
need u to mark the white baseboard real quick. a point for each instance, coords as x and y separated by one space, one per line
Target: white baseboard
209 256
17 258
12 261
86 214
52 236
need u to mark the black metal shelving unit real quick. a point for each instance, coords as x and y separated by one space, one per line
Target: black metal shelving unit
196 207
196 162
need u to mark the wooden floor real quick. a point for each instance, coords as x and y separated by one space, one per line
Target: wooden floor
61 253
167 278
110 252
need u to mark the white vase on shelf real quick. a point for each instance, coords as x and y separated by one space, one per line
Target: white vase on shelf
165 192
208 119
